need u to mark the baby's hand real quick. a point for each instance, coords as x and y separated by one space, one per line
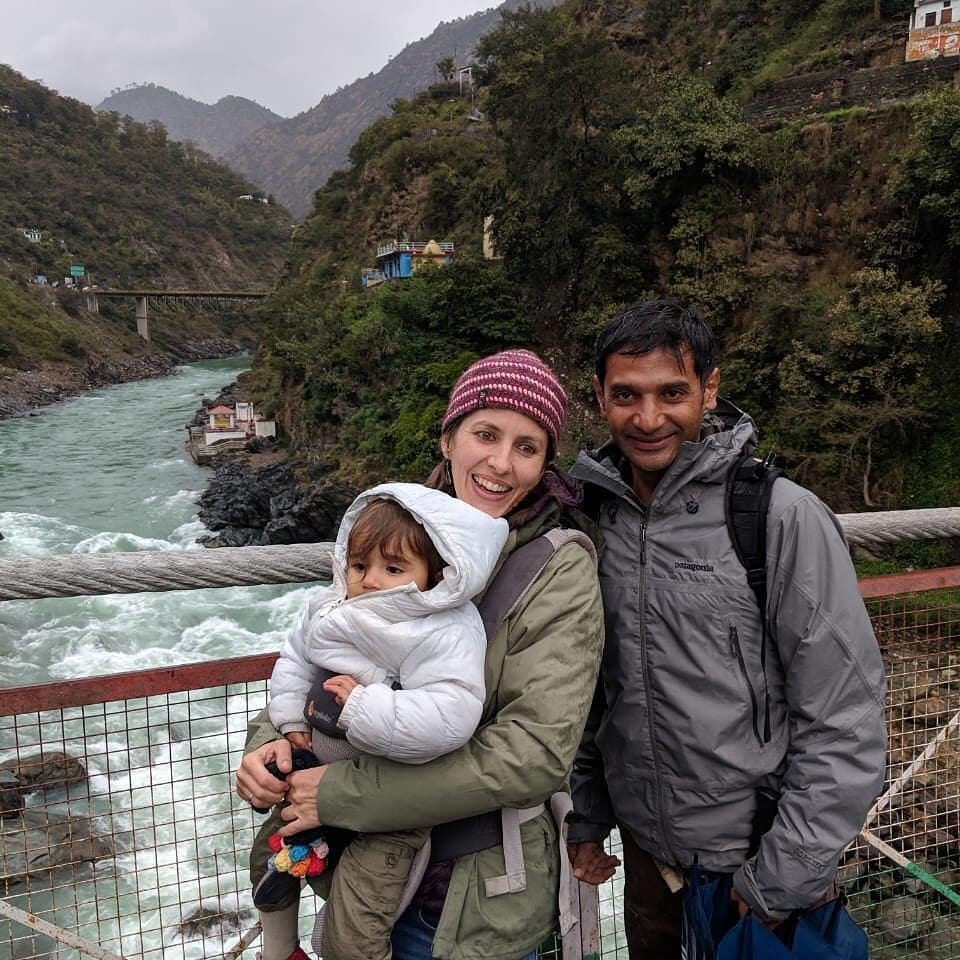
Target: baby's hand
299 738
341 686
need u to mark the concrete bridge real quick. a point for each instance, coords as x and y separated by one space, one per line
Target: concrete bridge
92 298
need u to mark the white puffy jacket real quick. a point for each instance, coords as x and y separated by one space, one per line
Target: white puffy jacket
433 642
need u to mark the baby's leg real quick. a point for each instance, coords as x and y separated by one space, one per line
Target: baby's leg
279 920
279 938
365 894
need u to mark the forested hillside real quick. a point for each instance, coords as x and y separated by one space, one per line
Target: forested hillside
130 206
617 163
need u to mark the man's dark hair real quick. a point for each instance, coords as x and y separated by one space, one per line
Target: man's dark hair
671 324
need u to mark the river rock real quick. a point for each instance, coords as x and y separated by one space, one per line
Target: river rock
250 506
37 842
904 918
209 922
44 770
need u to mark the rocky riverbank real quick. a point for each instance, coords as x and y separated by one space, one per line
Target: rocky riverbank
246 504
23 392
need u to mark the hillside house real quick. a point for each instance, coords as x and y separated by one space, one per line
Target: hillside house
934 30
239 422
399 259
33 234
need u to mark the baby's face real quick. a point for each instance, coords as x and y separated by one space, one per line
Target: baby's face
375 572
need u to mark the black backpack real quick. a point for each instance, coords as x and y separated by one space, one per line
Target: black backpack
749 487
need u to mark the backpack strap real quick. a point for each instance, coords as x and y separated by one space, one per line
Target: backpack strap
749 487
519 573
511 585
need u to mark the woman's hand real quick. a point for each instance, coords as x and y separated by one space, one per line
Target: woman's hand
341 686
255 783
300 811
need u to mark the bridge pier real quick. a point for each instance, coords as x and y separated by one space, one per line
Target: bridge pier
143 327
91 302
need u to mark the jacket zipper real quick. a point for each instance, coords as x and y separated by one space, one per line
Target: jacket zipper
738 650
654 750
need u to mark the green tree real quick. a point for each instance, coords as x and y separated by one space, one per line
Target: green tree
556 92
446 67
852 397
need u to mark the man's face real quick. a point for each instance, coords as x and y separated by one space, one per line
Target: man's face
652 405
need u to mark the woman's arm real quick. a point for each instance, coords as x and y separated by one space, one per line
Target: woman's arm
537 709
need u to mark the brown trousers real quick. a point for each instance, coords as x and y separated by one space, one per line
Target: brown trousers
651 913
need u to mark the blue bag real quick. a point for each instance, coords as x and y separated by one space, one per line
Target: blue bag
708 913
826 933
711 930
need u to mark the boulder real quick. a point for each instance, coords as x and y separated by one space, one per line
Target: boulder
44 770
256 506
37 842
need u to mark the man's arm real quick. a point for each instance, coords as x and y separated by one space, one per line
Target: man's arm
592 818
834 688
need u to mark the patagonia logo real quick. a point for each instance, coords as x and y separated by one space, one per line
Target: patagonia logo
802 854
691 565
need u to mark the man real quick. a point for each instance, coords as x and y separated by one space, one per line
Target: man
754 749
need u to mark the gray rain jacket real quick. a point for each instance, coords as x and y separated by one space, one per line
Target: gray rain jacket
675 733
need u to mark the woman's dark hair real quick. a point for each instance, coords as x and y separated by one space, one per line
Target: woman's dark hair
671 324
386 525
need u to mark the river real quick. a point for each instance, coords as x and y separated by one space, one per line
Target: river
108 472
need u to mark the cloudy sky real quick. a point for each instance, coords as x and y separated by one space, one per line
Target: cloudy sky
285 54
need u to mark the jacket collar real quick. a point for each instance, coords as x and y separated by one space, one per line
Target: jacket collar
727 432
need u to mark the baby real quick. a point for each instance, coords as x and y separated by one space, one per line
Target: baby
387 660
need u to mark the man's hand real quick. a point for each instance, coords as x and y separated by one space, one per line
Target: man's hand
341 686
591 863
743 907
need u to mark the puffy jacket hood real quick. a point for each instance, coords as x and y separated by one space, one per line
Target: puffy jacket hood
468 540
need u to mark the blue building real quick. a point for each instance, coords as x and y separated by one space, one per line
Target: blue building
399 259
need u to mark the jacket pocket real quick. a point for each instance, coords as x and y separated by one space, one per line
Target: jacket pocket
737 650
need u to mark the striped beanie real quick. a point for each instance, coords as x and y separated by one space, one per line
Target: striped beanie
511 380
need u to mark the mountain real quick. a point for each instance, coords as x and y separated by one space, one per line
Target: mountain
133 208
213 128
291 158
294 157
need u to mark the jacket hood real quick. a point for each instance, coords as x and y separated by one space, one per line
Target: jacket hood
727 433
469 541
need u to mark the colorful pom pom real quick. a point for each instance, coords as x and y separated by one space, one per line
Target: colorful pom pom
275 843
315 865
281 860
320 848
299 852
299 869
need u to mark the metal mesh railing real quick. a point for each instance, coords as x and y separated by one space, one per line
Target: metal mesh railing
121 826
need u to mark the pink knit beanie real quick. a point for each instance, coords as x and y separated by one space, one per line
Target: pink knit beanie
511 380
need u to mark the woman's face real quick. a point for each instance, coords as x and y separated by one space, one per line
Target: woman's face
496 458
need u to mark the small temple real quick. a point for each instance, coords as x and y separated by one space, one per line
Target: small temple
399 259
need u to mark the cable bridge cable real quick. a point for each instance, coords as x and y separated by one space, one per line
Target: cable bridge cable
71 575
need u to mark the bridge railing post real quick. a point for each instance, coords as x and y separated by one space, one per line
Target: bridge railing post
143 327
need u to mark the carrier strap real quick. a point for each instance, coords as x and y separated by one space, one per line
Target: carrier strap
471 834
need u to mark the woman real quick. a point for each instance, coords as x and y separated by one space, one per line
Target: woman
499 436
